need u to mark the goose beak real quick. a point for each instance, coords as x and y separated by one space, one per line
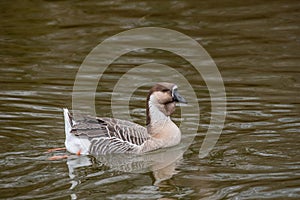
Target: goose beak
178 98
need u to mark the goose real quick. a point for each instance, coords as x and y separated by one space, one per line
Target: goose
98 136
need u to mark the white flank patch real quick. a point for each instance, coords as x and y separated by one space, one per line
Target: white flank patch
74 144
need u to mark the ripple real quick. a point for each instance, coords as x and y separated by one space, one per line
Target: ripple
255 45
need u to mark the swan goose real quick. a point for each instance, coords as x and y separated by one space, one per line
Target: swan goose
98 136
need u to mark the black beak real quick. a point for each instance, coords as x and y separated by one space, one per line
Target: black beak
177 97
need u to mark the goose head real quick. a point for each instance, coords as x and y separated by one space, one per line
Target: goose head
161 101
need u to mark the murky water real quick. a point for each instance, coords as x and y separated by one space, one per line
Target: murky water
256 48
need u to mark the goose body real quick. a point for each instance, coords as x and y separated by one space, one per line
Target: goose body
109 135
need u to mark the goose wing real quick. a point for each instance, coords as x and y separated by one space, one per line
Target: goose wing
110 129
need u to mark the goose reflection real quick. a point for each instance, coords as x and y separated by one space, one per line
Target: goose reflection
161 163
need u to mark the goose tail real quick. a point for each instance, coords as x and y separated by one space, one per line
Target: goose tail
73 143
68 122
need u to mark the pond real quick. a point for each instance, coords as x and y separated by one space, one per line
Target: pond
255 46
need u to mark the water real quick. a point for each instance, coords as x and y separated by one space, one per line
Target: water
255 46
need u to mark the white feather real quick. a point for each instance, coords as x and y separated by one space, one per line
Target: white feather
74 144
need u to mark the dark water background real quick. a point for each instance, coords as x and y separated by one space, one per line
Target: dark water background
255 45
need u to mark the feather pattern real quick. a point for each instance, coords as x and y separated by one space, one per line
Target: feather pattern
109 135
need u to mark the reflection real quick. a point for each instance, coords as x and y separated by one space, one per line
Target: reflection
161 163
74 162
164 173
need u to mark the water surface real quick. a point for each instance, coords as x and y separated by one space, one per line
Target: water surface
255 46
